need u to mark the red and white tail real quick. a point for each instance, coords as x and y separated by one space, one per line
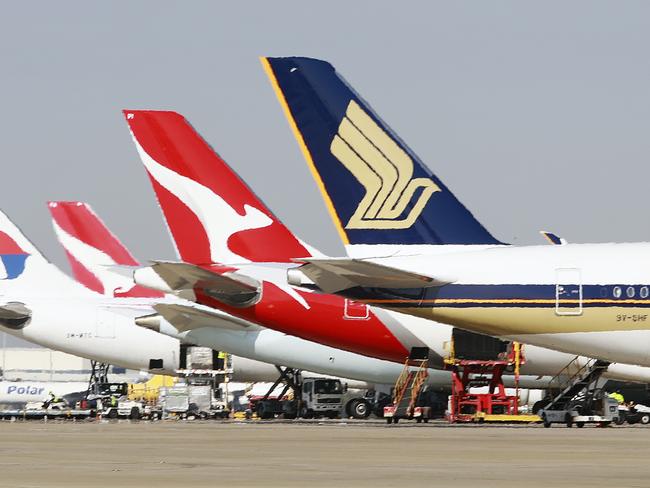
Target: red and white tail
211 213
92 249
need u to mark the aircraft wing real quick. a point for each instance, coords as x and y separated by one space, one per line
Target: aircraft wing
333 275
189 317
229 287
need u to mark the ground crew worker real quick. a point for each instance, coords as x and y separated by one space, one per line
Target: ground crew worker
221 360
618 397
113 401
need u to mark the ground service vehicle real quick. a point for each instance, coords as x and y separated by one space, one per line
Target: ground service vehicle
130 409
313 397
603 412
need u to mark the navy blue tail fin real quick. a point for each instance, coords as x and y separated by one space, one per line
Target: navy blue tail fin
376 189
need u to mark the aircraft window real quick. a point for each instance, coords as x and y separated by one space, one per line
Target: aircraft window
630 292
617 292
603 292
643 292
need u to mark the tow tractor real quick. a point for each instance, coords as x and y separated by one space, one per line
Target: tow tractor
578 398
123 407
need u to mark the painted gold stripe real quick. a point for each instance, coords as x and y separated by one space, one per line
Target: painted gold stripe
506 300
499 321
304 149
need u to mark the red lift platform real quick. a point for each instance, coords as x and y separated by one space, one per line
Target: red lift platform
495 405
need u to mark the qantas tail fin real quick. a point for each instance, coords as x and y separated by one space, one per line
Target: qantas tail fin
211 213
376 189
92 249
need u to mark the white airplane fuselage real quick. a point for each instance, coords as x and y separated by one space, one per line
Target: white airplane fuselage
95 330
585 299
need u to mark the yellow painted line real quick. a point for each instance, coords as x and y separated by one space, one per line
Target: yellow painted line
509 418
304 149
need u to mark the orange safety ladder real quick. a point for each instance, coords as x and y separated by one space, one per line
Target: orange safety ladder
406 391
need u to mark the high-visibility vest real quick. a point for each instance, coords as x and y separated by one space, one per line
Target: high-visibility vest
618 397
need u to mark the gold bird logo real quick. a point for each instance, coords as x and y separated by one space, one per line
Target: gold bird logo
384 170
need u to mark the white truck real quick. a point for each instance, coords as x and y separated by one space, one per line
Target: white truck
314 397
130 409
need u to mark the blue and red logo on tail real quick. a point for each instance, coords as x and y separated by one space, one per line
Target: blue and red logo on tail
12 257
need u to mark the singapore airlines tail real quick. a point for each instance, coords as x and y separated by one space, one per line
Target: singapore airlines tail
376 189
211 213
93 251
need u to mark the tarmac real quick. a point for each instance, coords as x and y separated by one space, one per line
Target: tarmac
314 454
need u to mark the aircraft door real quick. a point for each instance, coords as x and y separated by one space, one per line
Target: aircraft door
355 310
568 291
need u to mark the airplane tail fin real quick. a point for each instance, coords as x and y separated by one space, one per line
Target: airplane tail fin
15 249
376 189
92 249
211 214
23 265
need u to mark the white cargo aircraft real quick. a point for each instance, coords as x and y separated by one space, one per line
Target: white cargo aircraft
421 252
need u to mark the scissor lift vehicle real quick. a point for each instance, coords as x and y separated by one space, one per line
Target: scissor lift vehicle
496 405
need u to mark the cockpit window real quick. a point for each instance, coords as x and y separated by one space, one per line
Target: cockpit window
327 386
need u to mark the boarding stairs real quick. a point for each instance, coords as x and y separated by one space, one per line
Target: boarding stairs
576 384
407 390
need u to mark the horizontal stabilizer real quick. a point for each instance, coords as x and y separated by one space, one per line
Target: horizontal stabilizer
231 288
188 317
333 275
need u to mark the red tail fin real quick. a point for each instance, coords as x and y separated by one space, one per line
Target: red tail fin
211 213
91 247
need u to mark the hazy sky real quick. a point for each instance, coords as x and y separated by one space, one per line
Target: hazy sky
536 114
